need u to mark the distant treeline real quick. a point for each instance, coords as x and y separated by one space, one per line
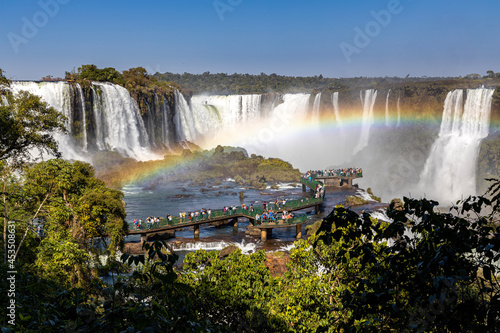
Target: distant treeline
224 84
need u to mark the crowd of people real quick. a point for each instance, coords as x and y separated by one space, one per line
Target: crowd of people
344 172
270 210
149 223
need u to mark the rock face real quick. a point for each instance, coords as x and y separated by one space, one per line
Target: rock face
252 231
276 262
396 204
227 251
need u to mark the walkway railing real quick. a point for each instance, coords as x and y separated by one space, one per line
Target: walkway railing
218 214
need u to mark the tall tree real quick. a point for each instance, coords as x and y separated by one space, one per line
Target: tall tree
26 123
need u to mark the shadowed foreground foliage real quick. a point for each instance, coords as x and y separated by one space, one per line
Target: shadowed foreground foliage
425 271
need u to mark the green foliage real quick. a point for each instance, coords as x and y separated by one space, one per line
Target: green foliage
137 81
233 291
27 123
78 212
444 276
355 201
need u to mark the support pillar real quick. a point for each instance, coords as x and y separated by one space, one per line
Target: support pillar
303 187
298 231
144 237
317 209
235 225
265 234
196 231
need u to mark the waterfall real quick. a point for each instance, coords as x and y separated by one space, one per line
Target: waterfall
336 111
119 125
184 119
368 102
168 131
450 170
57 95
4 100
83 117
294 106
316 109
387 109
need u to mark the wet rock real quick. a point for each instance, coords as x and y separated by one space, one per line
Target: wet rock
276 263
396 204
252 231
227 251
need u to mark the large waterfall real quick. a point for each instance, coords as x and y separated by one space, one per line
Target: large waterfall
115 115
336 110
119 123
316 109
450 170
368 102
57 95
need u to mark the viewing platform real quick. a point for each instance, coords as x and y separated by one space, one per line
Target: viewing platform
334 178
231 216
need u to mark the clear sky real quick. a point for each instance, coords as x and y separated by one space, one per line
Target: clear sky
300 38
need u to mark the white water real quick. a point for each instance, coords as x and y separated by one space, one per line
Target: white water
4 100
83 117
387 122
336 110
208 120
119 124
246 248
316 109
58 96
450 170
368 101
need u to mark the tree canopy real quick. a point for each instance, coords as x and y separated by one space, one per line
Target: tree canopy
27 123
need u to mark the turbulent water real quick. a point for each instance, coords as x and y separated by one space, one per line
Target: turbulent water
450 171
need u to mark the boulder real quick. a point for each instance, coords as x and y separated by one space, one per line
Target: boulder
227 251
276 263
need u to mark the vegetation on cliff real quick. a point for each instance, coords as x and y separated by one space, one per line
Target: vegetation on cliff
197 167
137 81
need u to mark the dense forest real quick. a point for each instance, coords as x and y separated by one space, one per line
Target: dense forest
225 84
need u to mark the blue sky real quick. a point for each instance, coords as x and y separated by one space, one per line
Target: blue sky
288 37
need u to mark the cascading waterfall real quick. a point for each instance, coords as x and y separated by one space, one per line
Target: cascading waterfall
83 117
387 109
205 116
450 170
58 96
184 119
119 125
368 102
316 109
336 111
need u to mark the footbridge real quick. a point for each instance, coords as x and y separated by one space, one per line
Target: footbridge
231 216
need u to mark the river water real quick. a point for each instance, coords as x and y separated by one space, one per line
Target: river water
175 197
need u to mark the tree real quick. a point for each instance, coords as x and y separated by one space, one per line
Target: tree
437 270
79 213
28 123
